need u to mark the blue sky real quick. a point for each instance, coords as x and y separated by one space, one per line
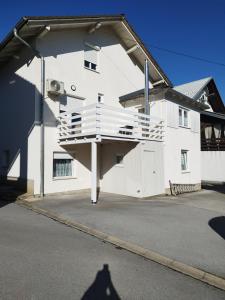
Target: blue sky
193 27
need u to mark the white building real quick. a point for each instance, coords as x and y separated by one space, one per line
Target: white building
93 132
212 127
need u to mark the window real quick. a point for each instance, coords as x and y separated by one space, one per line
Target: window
100 98
62 165
91 57
119 159
183 117
90 65
184 160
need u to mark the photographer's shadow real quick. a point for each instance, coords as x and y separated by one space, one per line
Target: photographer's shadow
102 288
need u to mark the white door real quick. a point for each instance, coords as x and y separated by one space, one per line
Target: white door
152 177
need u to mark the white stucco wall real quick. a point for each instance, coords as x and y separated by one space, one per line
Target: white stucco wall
64 61
19 120
140 175
178 138
213 166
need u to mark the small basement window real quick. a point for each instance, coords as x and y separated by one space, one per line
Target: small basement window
184 160
119 159
183 117
91 57
62 165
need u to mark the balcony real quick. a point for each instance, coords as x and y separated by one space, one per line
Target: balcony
213 144
100 122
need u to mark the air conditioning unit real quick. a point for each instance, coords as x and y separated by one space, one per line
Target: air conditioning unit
55 87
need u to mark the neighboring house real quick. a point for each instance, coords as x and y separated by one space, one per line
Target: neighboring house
73 111
212 127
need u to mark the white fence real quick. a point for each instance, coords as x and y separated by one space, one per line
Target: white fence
106 121
213 165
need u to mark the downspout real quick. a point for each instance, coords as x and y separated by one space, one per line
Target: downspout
147 104
38 55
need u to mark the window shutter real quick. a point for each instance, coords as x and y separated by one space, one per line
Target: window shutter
91 55
62 155
172 114
195 122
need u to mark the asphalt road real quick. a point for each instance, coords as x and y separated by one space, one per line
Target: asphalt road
42 259
188 228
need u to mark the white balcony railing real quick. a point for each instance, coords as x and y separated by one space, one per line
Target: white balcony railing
105 121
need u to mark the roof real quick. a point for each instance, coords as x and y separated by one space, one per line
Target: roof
164 93
30 27
213 115
194 88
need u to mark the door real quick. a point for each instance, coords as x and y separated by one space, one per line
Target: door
152 173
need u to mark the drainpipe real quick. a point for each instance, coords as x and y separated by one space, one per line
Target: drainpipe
147 106
38 55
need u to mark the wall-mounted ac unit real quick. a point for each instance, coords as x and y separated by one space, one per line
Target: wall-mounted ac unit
55 87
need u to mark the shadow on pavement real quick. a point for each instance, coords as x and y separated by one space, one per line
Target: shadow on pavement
102 288
8 194
218 225
217 187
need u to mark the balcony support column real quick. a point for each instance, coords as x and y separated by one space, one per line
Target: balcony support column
94 172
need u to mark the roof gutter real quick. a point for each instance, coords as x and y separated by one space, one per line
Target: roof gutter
41 107
36 53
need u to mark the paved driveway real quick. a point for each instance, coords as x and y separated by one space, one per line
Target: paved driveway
43 260
188 228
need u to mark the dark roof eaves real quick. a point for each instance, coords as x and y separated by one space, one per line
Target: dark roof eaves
10 35
149 54
25 19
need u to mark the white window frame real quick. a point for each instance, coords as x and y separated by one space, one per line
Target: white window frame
187 160
64 155
183 111
121 164
89 65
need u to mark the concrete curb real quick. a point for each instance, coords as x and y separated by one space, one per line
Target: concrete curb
148 254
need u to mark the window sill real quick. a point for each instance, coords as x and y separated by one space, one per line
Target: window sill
95 71
120 165
63 178
186 127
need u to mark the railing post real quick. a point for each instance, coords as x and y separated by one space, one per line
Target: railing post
98 119
93 172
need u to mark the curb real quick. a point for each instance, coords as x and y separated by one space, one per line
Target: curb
180 267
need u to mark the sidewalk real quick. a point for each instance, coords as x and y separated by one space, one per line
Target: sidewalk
188 228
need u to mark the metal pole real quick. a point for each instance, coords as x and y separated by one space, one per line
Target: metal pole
147 105
42 128
93 172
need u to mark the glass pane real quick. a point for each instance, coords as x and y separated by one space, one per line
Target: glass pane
185 118
93 66
62 167
180 117
87 64
183 160
119 159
